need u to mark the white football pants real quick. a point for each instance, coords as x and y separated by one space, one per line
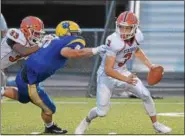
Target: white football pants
106 85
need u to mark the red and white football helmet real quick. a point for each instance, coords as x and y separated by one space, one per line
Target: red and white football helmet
33 29
127 18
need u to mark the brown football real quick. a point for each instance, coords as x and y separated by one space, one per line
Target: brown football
155 75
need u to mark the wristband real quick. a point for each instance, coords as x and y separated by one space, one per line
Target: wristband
94 51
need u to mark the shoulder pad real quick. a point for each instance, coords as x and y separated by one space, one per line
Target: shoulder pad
139 36
16 35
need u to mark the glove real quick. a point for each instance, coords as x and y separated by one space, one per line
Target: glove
100 49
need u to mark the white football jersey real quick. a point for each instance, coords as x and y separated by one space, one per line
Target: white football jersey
9 56
121 50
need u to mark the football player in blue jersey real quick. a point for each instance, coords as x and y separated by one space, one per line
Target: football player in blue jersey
42 64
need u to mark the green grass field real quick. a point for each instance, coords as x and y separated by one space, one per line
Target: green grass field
126 116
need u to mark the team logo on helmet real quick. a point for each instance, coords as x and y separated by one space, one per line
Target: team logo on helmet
65 25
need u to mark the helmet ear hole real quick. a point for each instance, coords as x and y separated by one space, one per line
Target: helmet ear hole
75 33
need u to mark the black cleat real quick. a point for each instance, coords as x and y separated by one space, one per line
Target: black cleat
132 96
54 129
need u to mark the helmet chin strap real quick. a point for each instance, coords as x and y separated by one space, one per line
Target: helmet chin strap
34 41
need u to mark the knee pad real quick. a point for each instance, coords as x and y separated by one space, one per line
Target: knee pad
102 110
146 96
144 93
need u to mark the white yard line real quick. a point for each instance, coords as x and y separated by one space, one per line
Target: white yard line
172 114
35 133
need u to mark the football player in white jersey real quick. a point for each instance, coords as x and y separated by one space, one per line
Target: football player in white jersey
19 43
112 72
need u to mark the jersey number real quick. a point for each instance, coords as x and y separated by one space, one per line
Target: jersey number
14 34
13 59
127 57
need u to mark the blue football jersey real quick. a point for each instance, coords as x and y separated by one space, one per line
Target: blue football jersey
48 59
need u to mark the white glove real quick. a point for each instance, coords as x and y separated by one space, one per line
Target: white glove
99 49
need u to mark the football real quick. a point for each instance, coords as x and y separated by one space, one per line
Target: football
155 75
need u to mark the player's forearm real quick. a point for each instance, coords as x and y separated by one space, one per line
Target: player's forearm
31 50
115 74
83 53
142 57
25 51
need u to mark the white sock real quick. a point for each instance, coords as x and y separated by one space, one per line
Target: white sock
48 125
92 114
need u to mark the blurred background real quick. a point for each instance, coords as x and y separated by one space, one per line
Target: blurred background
162 23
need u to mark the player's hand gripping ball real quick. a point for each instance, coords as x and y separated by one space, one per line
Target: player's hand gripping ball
155 75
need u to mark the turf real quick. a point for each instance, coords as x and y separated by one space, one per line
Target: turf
126 116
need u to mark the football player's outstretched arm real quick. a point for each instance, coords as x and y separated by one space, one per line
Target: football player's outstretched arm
141 56
73 53
24 51
81 53
109 70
